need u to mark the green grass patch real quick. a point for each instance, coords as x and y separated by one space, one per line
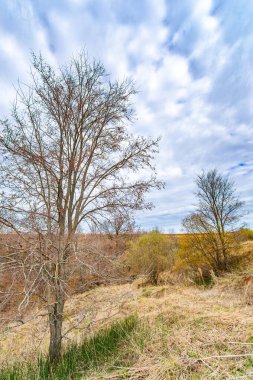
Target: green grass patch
104 348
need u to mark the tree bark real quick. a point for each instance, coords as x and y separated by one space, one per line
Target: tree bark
55 324
56 306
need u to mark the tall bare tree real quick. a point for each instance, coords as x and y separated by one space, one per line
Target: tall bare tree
66 160
218 212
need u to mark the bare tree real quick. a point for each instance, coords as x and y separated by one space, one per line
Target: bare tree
119 222
218 212
66 160
118 227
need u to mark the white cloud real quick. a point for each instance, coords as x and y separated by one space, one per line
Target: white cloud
193 76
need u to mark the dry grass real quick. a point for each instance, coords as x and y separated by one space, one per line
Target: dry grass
83 313
193 333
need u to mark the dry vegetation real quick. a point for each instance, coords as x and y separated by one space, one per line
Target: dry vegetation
187 332
98 251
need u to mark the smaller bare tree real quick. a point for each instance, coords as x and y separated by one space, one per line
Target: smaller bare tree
211 228
119 222
118 225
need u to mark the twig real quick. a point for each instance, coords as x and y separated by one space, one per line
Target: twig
207 365
225 356
246 343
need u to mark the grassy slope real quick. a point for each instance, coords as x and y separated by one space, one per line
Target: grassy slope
185 328
106 347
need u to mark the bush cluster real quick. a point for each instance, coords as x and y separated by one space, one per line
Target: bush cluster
150 254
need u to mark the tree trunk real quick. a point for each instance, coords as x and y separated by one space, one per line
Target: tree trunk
56 299
55 325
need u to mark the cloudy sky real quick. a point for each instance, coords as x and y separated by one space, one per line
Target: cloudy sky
192 64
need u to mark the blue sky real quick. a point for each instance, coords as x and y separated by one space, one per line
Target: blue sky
192 64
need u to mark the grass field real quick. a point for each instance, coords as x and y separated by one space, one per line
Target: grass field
177 332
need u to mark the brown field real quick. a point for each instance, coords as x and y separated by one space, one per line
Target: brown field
192 332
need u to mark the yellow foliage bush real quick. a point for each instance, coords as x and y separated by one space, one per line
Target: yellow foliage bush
150 254
246 234
199 252
189 254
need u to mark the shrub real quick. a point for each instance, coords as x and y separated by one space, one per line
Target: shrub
246 234
199 252
150 254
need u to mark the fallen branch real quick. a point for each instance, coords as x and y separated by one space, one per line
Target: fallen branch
225 356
